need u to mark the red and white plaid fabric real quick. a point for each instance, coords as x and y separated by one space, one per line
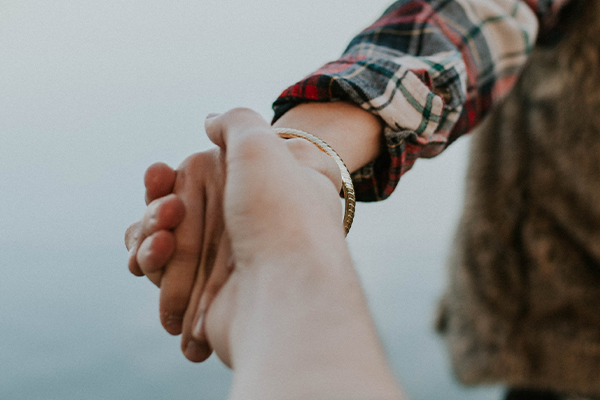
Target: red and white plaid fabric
431 70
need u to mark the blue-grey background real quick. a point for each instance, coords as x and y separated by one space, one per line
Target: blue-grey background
91 93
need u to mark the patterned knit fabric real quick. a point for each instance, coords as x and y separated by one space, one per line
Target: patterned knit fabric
524 394
523 304
431 70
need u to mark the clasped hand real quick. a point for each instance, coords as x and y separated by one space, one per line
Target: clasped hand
252 199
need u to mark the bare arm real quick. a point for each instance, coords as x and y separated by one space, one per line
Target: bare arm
354 133
302 337
292 319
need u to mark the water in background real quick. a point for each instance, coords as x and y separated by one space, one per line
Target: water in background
91 93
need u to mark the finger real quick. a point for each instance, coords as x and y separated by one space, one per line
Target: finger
132 234
155 277
132 264
194 343
263 178
249 141
223 268
218 318
180 272
155 250
159 180
163 213
236 122
132 237
311 156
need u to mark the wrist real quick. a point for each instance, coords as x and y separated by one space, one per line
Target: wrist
292 326
305 249
347 186
354 133
311 156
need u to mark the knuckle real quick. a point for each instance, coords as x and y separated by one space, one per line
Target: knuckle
156 167
193 161
254 146
167 212
301 148
149 222
241 112
243 119
198 167
155 176
326 166
133 266
131 235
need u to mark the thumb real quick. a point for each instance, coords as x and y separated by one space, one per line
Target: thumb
233 125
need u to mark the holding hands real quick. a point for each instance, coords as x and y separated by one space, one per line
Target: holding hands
181 243
257 266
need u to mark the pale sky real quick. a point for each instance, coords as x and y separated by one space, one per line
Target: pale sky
93 92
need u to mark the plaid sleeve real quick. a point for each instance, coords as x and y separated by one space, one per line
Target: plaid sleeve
431 69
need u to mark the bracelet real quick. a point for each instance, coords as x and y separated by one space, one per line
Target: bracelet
347 187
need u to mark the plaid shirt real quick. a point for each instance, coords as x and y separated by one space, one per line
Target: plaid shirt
431 69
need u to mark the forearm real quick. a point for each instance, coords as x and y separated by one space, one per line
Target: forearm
292 319
428 85
303 330
352 132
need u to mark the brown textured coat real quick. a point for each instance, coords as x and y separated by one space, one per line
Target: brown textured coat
523 306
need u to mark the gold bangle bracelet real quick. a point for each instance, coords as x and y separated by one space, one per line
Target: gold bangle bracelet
347 187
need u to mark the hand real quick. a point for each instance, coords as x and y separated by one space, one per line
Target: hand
194 247
183 230
164 212
275 209
292 319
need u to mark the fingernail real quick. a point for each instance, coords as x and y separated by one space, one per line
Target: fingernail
173 324
212 115
194 350
197 329
153 209
199 319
